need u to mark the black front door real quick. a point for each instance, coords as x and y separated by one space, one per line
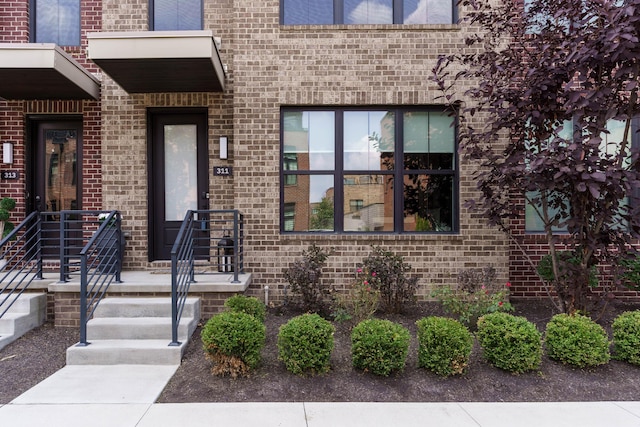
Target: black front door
55 177
178 174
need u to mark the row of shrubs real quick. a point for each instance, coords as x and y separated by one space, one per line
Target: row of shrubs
234 340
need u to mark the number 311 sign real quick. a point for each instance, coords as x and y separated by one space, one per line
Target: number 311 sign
222 171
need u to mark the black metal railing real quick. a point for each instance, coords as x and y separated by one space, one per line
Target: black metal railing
100 265
49 236
204 236
22 261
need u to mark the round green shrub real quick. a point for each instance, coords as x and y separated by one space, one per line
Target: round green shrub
234 341
379 346
245 304
576 340
626 337
305 344
510 342
444 345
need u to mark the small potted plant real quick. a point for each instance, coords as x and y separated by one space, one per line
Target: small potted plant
7 204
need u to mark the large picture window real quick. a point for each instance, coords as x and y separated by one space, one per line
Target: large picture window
56 21
326 12
176 15
368 170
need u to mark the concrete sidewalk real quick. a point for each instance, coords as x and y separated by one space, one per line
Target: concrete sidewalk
124 396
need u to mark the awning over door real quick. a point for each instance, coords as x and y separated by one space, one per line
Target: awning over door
43 71
159 61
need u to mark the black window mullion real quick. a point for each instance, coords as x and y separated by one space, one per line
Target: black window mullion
398 174
338 12
338 175
454 12
398 12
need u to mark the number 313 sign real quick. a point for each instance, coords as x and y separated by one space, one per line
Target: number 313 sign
10 175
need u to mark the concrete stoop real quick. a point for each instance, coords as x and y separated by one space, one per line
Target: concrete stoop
26 313
135 331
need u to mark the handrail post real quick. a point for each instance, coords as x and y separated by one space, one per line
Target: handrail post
39 262
83 301
236 253
63 267
119 254
174 300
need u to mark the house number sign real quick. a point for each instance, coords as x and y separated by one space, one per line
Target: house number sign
11 175
223 171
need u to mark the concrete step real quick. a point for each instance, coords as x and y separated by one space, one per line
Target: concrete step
26 303
126 352
135 331
107 328
26 313
144 307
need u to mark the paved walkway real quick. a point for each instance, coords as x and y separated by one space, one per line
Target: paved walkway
124 396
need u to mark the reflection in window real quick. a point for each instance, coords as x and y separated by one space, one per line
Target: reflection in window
310 137
370 206
368 139
290 163
609 145
289 216
300 12
428 202
61 150
356 205
368 11
313 201
374 195
176 15
57 21
427 12
326 12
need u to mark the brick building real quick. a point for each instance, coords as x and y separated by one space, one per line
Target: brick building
314 102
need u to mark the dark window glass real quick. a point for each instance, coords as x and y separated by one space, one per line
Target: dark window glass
57 21
177 15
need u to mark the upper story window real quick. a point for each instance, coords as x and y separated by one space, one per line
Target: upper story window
176 15
327 12
56 21
368 170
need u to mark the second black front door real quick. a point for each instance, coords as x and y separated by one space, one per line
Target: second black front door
178 175
55 176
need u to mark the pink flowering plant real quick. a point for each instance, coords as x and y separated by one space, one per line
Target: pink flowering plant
365 297
475 296
362 299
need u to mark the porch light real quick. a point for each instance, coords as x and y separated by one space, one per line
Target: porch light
7 153
224 153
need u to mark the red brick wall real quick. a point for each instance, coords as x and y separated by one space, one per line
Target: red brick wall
14 27
14 21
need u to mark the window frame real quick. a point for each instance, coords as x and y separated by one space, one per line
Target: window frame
33 36
398 14
398 173
152 18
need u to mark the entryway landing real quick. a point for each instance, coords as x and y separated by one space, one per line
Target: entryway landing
157 281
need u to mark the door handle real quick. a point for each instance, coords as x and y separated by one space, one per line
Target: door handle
205 195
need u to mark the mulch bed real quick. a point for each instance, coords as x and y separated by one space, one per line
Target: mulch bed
42 351
271 382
